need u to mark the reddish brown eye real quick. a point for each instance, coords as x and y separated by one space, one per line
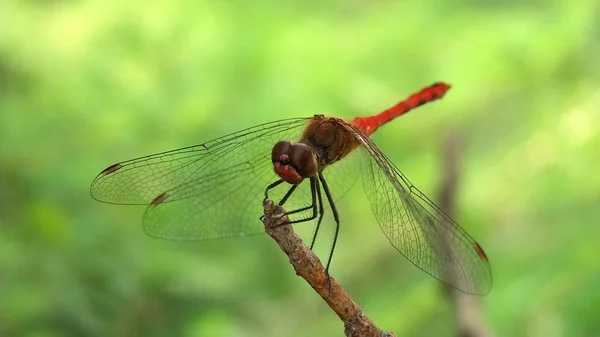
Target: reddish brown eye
282 165
293 162
304 160
281 148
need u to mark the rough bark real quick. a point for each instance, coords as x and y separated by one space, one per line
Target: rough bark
308 266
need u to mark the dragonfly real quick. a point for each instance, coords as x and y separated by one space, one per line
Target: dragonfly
215 190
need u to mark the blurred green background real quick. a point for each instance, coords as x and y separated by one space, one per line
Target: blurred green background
85 84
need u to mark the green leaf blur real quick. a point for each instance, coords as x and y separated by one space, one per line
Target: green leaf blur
85 84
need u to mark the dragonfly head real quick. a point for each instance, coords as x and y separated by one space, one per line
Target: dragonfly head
294 162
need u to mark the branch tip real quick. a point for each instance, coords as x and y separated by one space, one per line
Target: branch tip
308 266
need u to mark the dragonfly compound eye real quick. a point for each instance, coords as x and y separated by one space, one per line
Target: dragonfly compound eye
304 160
282 164
281 148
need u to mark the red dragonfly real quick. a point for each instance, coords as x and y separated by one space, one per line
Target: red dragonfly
216 189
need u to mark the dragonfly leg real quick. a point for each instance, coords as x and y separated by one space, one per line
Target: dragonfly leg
313 205
287 195
321 213
337 224
272 185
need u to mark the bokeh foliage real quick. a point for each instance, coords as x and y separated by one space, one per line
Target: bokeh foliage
84 84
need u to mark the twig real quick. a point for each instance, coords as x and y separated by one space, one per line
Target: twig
466 307
309 267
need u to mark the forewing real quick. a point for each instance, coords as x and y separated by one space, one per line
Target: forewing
229 204
419 229
139 181
207 191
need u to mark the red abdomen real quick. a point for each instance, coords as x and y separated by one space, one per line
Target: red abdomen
368 125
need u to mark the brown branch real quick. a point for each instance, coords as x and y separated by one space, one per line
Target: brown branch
467 308
309 267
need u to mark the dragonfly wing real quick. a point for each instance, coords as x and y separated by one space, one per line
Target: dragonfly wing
207 191
418 228
139 181
229 204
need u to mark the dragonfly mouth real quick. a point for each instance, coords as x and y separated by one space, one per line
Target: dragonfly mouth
293 162
287 172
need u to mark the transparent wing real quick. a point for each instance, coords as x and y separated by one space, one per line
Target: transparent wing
222 205
419 229
201 192
139 181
